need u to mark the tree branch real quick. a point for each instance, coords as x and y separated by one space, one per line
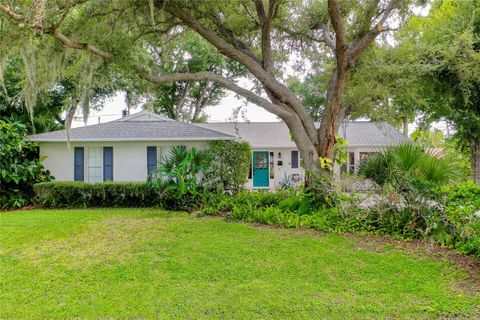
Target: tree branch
337 25
229 84
360 45
266 26
9 12
229 36
273 87
67 42
327 37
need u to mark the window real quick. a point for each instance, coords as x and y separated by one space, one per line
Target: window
294 161
272 172
364 155
78 164
260 161
95 165
351 162
250 169
163 152
151 159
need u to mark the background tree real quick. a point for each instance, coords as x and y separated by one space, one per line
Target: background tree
186 101
48 108
443 53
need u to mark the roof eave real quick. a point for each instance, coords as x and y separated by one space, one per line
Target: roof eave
130 139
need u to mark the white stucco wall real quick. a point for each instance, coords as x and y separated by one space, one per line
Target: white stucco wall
129 158
286 167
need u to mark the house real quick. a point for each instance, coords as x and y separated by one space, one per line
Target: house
128 149
276 157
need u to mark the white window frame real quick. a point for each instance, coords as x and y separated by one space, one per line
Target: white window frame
162 151
98 165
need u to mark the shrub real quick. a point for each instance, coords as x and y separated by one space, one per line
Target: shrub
462 206
229 166
320 190
101 194
20 166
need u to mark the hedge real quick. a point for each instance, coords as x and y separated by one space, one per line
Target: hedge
101 194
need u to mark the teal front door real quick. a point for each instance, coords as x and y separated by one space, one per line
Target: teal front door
260 169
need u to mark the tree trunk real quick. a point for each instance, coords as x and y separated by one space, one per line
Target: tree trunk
405 125
181 102
475 160
334 112
307 149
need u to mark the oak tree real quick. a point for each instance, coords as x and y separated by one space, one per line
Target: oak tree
263 36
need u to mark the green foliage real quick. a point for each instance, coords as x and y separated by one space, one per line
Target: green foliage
229 166
407 167
179 175
20 167
428 138
289 208
320 190
89 195
186 101
443 51
462 206
49 105
449 217
340 155
187 178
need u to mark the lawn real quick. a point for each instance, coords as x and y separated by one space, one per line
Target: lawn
131 263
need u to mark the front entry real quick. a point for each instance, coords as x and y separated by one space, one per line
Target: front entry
260 169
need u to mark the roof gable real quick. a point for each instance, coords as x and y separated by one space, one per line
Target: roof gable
144 116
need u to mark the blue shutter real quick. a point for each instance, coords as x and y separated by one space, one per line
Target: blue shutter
151 159
294 159
78 160
107 163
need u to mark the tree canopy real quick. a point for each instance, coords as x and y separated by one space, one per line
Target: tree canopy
103 42
441 56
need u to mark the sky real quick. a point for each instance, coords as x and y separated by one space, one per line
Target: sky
224 111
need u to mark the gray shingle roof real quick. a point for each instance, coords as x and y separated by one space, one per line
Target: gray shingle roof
276 134
142 126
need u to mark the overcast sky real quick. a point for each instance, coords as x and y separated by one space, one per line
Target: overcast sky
222 112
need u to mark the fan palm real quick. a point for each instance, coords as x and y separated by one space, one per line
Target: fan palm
409 164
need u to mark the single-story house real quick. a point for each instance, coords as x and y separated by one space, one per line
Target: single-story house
128 149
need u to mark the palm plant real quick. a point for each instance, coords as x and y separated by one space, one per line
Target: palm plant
408 165
180 171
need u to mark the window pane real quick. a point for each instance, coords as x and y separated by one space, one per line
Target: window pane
95 174
294 161
95 165
272 169
260 161
351 162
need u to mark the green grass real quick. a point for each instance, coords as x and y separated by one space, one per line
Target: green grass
154 264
